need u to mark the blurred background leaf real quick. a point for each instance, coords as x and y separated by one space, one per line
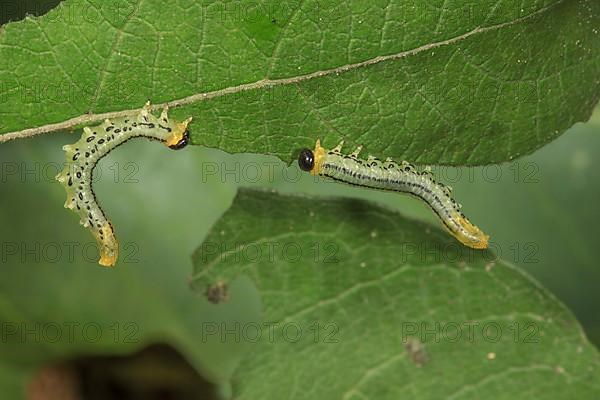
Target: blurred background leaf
366 304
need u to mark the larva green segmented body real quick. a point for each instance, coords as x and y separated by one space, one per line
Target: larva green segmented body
390 176
96 143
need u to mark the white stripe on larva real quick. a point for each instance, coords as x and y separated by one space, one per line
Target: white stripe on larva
94 144
390 176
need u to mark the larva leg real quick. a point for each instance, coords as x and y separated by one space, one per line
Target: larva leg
97 142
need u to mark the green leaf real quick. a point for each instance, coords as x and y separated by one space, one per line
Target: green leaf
458 83
365 304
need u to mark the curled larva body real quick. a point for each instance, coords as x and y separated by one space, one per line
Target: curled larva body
387 175
94 144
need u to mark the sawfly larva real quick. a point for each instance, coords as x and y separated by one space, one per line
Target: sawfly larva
96 143
390 176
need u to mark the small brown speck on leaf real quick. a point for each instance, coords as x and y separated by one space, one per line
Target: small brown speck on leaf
416 351
218 293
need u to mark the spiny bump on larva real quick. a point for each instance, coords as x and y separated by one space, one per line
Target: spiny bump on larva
356 152
164 115
427 171
338 148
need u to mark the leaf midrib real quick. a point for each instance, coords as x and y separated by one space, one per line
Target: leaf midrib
88 119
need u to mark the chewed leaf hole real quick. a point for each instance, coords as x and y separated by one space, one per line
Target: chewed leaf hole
17 10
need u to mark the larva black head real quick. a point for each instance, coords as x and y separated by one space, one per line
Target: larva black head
306 160
184 141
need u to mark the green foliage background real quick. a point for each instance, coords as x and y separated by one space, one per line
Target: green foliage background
540 211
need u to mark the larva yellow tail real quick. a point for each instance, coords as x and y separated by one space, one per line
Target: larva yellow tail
388 175
95 143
